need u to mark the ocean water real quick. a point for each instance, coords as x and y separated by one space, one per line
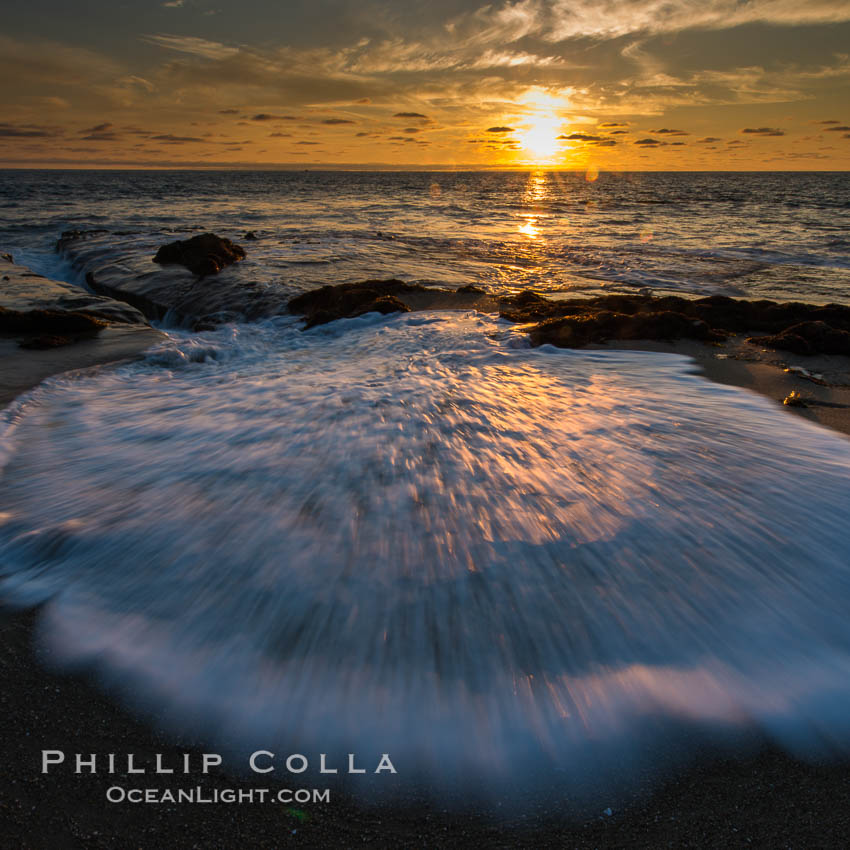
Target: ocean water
781 236
417 535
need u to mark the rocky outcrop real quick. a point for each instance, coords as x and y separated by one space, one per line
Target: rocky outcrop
123 270
348 300
807 338
203 255
573 323
44 313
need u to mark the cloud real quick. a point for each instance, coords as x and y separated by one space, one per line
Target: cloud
228 111
140 82
581 137
9 131
410 115
708 140
831 121
666 131
192 45
763 131
500 129
264 116
171 139
334 121
173 4
841 128
649 142
608 124
616 18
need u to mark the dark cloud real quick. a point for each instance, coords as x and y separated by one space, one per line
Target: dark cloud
500 129
763 131
280 135
613 124
648 142
334 121
666 131
265 116
228 111
172 139
841 128
709 140
409 115
830 121
619 132
9 131
606 143
581 137
100 128
410 130
306 143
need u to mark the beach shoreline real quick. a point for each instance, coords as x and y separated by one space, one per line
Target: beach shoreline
762 797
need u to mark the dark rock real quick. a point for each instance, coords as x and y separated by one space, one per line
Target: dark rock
578 331
348 300
203 255
49 322
794 399
38 343
250 236
805 328
471 289
807 338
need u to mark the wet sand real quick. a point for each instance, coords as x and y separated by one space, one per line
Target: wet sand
774 374
23 368
764 798
761 799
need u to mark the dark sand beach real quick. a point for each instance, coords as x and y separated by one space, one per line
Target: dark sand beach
763 798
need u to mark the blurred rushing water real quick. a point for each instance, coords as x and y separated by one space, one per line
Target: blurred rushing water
415 535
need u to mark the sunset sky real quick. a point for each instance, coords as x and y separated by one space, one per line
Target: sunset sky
613 84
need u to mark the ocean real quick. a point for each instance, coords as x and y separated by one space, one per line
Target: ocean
415 534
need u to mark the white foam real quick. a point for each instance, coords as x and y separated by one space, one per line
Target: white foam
412 535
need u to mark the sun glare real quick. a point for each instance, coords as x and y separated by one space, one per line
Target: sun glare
540 138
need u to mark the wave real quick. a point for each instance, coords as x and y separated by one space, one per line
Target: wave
417 536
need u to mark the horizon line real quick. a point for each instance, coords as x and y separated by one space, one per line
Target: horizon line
386 167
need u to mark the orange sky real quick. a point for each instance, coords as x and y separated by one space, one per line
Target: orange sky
616 85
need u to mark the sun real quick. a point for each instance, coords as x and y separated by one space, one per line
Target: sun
540 138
